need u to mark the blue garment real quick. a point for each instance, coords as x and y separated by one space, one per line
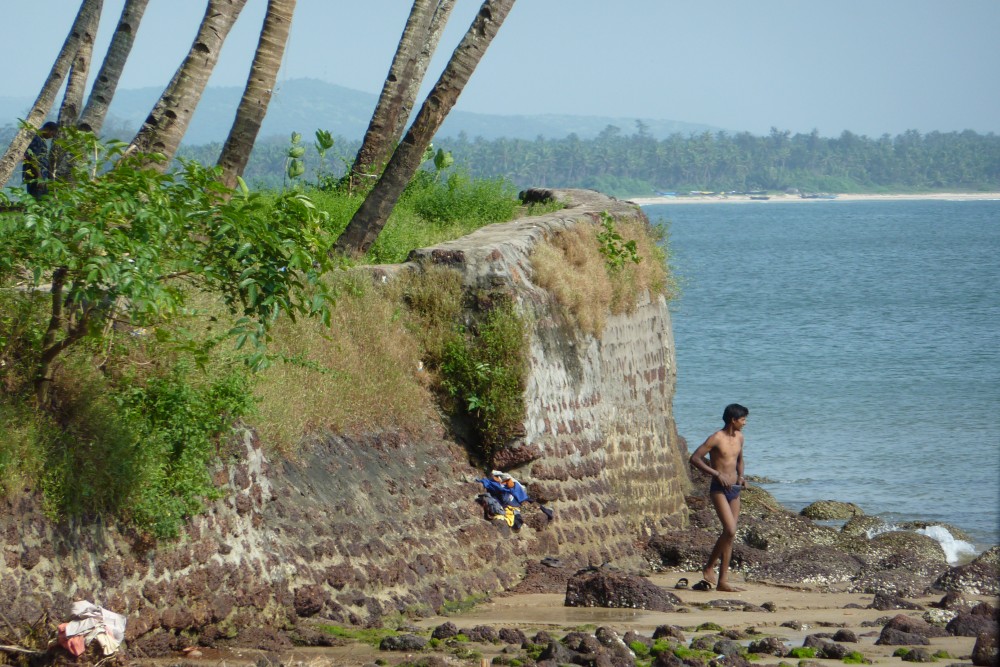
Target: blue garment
507 497
518 493
732 494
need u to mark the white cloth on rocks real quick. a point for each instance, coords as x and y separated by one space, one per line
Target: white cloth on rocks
94 622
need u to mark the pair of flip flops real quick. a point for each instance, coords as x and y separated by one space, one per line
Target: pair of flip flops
702 585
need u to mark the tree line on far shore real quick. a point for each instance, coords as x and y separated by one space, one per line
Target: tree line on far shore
637 164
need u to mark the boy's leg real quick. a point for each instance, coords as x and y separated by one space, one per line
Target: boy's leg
723 548
727 551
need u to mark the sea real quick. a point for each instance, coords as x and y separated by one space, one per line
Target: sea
864 337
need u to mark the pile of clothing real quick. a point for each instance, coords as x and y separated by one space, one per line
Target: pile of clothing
92 623
504 497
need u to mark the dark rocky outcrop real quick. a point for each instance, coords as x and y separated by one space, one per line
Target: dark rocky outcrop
446 630
814 565
768 646
689 549
405 642
914 626
864 525
981 576
893 637
984 652
981 618
897 562
887 601
605 587
845 636
831 509
918 655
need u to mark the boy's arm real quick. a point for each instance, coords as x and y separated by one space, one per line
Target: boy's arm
739 470
698 457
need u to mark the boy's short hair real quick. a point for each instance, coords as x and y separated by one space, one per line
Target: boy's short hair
733 412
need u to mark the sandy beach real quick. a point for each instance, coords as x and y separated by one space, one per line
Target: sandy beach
787 198
798 611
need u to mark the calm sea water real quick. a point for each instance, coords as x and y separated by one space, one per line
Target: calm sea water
865 339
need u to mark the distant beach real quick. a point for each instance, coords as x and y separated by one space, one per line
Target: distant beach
783 198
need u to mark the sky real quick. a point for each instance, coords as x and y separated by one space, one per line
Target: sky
868 66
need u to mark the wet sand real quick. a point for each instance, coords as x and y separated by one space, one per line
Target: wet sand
783 198
814 610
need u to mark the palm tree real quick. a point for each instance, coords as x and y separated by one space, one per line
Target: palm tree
89 11
416 46
60 164
438 22
257 94
168 121
371 217
92 118
76 85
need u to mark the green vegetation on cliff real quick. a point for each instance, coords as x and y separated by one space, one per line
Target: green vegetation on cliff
183 311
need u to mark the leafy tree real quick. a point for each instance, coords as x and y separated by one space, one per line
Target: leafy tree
127 249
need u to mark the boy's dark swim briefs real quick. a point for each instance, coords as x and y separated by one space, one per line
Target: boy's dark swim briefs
732 494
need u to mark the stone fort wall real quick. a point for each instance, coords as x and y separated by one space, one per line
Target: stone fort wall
360 530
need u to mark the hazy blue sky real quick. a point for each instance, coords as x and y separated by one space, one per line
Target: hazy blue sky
869 66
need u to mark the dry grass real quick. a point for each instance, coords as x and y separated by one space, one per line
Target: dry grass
570 265
432 297
363 373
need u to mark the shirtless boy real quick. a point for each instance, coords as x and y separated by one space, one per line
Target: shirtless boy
725 451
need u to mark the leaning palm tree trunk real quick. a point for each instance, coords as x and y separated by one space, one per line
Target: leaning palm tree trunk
89 9
76 86
371 217
168 121
438 22
60 164
257 94
92 118
378 142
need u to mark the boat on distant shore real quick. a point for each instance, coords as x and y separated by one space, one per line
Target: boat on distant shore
760 197
818 195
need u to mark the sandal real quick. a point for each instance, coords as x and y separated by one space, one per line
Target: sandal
703 586
681 583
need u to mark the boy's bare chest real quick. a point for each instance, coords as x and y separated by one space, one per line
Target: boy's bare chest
729 448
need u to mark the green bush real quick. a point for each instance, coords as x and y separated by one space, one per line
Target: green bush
484 369
432 211
459 197
143 453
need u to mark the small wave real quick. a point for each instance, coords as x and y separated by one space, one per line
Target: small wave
955 550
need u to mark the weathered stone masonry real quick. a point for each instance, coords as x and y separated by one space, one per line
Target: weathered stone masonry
355 530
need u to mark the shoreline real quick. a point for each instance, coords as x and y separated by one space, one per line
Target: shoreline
787 198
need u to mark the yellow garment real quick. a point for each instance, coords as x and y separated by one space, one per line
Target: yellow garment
508 516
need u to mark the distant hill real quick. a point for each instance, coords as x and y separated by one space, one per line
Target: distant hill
305 105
